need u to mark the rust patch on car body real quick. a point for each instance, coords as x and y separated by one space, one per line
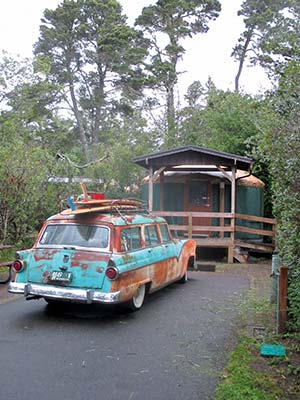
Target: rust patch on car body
44 254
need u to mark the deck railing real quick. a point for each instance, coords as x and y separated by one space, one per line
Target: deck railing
224 232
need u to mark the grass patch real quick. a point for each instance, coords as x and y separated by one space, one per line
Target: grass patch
242 381
248 375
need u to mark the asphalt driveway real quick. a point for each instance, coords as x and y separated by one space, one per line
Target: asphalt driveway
175 347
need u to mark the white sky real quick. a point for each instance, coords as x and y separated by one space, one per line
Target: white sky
206 55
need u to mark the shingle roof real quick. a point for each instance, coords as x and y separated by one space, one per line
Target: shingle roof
193 155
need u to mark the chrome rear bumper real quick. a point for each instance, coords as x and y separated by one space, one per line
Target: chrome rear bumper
64 293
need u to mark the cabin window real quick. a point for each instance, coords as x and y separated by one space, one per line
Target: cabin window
131 238
165 235
199 193
151 236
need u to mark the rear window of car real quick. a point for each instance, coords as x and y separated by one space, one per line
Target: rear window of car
75 235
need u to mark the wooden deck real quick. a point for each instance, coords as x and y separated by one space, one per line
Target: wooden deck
225 234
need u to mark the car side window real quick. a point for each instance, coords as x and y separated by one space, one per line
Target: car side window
151 236
131 238
165 235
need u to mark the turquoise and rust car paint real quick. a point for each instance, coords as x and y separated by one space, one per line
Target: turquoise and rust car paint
101 257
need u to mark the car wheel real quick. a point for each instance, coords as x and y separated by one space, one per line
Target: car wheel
184 278
138 299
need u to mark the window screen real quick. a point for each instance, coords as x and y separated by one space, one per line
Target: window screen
198 193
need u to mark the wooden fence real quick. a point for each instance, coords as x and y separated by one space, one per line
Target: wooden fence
224 232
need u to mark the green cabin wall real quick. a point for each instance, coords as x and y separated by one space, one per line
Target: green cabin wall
173 199
249 200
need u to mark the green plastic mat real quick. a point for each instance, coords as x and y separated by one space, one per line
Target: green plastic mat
272 350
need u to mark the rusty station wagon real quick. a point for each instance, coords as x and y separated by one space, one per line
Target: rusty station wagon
101 254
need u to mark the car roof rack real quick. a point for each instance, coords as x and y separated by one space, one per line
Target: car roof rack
89 202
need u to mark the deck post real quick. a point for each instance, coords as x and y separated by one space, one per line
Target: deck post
162 190
231 245
190 223
222 206
150 194
233 201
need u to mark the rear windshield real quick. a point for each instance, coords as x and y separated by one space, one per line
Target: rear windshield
76 235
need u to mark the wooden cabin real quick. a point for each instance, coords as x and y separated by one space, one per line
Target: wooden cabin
193 188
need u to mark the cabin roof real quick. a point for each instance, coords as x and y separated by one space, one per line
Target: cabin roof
193 155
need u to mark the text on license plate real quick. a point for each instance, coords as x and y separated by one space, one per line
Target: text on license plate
61 276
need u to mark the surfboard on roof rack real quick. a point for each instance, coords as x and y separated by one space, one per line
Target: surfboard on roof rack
107 202
108 206
86 204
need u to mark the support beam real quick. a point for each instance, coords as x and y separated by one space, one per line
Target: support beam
233 202
225 173
162 190
222 206
150 191
190 223
233 189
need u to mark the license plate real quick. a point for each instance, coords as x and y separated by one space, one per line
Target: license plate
61 276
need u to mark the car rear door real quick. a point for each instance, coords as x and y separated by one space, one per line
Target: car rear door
68 267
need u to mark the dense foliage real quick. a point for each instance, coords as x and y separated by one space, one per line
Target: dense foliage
284 149
285 169
26 196
99 92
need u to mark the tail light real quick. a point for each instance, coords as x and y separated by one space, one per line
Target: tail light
18 265
111 272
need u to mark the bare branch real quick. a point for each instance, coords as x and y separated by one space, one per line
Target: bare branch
65 157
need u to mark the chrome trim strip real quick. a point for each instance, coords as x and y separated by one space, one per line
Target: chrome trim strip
63 293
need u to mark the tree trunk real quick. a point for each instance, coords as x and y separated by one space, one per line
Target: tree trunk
170 85
171 124
243 58
99 95
79 121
